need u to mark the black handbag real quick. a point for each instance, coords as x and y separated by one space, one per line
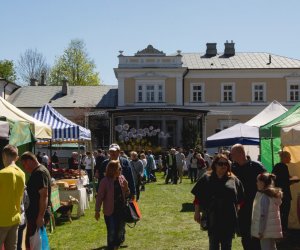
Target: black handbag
204 221
130 214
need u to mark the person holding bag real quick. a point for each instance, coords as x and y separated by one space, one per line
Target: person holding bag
112 193
218 194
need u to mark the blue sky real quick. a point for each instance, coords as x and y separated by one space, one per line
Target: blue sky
107 26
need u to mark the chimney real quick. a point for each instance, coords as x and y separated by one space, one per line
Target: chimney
65 87
211 49
33 82
43 78
229 49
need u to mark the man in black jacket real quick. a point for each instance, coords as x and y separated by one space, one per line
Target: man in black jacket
247 172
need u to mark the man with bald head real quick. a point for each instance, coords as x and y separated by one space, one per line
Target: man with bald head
247 171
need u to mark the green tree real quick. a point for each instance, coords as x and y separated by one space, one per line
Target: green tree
191 136
75 65
7 70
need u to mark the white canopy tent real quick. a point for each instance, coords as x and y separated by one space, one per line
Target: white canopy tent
238 133
249 132
9 111
272 111
4 130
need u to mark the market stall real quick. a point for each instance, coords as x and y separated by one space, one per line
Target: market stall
23 129
72 183
290 140
64 130
39 129
270 140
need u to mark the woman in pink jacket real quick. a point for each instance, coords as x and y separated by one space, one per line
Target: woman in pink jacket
113 191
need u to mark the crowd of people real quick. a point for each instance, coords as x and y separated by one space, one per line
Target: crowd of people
238 196
233 194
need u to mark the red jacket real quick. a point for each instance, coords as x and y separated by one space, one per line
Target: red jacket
106 194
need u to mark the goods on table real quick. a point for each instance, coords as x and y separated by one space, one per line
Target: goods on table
59 173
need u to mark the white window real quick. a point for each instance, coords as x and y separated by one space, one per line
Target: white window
258 92
197 92
293 92
228 92
150 91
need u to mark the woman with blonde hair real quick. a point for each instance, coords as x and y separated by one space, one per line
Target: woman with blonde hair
218 194
112 193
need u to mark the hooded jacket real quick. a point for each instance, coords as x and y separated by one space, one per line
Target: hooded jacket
272 228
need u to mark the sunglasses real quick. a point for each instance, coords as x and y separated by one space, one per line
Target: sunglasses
222 163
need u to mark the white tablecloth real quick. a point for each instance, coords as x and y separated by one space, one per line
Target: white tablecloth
80 195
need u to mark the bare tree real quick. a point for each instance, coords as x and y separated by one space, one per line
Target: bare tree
31 65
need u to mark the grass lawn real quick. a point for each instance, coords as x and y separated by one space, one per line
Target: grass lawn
167 223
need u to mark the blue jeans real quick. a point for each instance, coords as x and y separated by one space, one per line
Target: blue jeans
115 230
215 242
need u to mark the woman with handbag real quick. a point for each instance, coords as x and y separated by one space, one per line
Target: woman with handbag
218 195
113 191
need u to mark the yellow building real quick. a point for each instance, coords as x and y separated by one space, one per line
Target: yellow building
171 91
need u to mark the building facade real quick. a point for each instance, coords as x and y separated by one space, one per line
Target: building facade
169 100
232 86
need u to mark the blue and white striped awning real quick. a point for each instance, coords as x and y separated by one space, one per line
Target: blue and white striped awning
63 130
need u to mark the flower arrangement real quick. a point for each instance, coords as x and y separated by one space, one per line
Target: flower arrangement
126 133
137 139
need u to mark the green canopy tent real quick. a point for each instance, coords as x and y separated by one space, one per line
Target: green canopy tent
270 142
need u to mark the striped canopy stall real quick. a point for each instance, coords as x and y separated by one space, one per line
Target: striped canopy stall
63 130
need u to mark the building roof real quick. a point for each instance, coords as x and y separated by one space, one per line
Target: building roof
10 82
244 60
103 96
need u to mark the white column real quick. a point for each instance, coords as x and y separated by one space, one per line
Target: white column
121 89
179 91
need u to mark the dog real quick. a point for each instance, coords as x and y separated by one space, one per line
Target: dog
66 207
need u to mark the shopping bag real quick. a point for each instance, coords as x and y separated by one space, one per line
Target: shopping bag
44 239
136 208
130 214
36 241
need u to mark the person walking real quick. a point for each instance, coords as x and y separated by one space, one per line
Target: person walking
266 224
246 171
144 161
39 193
283 181
151 167
97 170
193 167
218 195
201 166
137 171
180 158
89 163
112 193
114 154
172 167
12 183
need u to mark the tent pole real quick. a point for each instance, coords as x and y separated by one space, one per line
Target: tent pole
79 161
50 157
272 148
